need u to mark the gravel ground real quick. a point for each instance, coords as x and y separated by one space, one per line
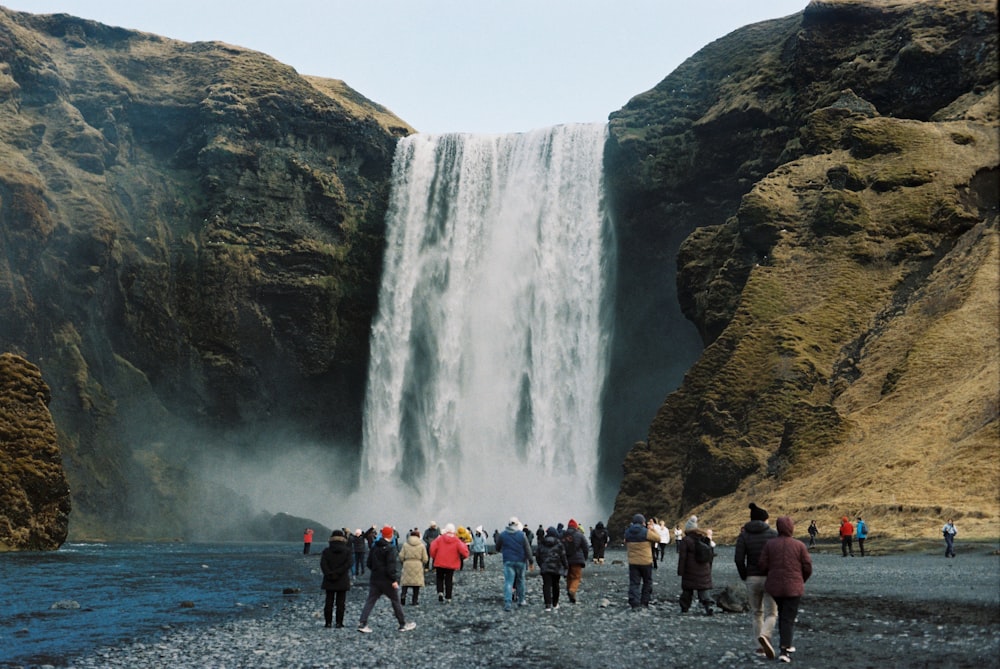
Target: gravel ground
892 610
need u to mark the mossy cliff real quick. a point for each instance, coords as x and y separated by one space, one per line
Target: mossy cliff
835 177
34 493
190 245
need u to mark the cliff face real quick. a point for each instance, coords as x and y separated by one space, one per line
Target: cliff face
34 493
834 177
190 245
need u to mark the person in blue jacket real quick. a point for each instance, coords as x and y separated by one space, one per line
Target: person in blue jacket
861 531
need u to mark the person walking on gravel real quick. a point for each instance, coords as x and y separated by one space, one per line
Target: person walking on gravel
639 546
577 549
861 532
414 557
336 563
513 545
383 564
786 562
694 566
763 609
447 553
813 531
949 532
552 563
846 537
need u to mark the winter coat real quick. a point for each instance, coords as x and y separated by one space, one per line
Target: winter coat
846 529
599 536
862 529
749 544
638 546
383 562
447 551
576 546
514 546
335 563
786 562
551 555
478 543
414 557
694 575
357 543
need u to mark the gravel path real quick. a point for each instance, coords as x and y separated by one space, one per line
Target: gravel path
905 610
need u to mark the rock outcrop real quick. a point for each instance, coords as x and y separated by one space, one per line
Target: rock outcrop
190 247
834 176
34 493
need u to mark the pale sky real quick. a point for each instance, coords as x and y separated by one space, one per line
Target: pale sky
456 65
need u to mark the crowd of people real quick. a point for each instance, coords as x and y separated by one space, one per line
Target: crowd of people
773 565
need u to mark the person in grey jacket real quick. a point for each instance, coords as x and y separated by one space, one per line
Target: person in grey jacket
763 609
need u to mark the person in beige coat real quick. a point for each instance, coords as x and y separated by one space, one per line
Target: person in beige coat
414 557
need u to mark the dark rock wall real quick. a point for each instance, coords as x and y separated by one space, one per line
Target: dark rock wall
190 247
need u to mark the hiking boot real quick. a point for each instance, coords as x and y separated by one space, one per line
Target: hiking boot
365 629
784 657
408 626
766 646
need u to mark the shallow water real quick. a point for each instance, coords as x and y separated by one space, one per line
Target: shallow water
129 591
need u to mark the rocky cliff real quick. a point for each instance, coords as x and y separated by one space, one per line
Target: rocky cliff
834 177
34 493
190 242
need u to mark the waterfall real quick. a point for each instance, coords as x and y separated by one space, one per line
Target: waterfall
489 348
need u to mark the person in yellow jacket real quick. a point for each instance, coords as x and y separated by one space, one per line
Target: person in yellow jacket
639 540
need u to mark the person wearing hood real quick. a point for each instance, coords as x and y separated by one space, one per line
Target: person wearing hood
787 565
694 566
599 540
335 563
478 549
447 552
383 565
552 563
414 557
846 537
577 549
639 548
516 552
430 534
763 609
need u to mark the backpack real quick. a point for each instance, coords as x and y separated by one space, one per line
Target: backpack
703 552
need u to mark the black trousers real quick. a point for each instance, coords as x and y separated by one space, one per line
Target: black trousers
341 599
788 609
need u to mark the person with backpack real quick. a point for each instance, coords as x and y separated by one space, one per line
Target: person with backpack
861 532
383 565
639 547
694 566
577 550
552 563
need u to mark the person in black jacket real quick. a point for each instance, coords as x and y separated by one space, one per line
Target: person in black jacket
763 609
552 563
336 563
383 564
599 541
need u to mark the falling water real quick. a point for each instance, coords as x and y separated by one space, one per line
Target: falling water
489 349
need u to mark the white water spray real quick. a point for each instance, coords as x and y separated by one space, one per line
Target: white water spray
489 350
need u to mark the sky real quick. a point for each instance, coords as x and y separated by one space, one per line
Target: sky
483 66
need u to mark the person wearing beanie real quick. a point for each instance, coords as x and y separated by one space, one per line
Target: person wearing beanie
430 534
763 609
447 552
478 549
516 552
785 561
639 550
577 550
846 537
599 540
383 564
335 563
694 566
414 557
552 564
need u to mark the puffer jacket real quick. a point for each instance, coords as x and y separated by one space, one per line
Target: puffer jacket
694 575
383 561
448 551
414 557
576 546
638 546
749 544
551 555
335 563
786 562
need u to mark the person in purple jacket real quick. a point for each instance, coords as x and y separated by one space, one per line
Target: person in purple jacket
786 563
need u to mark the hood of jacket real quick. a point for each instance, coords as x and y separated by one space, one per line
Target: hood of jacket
786 526
414 541
756 526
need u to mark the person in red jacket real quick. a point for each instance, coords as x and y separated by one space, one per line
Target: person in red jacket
307 541
846 536
447 553
786 563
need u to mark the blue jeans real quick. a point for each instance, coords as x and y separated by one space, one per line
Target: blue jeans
513 579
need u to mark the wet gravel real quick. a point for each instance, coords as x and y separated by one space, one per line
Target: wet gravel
893 610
